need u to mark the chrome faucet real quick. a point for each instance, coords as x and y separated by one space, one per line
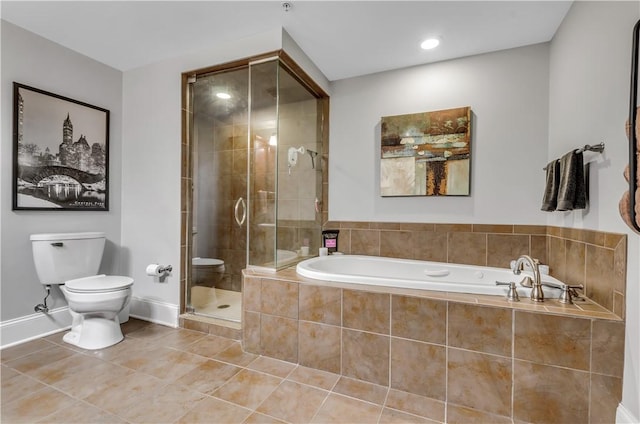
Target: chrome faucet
537 294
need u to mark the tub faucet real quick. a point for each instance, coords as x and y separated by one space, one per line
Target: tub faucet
536 291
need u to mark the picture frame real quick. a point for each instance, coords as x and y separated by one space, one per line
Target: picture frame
60 152
426 153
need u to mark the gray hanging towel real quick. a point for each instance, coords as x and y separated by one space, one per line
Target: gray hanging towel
550 198
572 193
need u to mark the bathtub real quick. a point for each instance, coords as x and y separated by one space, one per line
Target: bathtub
412 274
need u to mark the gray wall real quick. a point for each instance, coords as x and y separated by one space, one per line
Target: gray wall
36 62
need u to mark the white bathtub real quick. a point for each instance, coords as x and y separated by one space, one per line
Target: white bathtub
412 274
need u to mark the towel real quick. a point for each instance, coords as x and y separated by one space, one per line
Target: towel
628 216
572 192
550 198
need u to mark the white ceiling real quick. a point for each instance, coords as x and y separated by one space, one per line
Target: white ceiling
343 38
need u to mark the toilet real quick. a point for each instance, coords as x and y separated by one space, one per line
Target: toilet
207 272
71 261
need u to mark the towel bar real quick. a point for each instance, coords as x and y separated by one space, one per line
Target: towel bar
587 148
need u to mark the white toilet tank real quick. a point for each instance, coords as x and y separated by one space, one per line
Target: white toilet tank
60 257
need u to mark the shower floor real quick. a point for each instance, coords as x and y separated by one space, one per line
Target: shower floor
217 303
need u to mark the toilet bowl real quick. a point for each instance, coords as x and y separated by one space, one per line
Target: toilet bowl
207 272
94 304
71 261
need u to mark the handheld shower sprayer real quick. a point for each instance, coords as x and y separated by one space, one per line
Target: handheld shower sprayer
293 155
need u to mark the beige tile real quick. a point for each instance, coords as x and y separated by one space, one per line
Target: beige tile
170 364
209 376
248 388
492 228
41 358
552 340
563 392
418 368
210 410
538 248
319 346
210 346
607 347
132 325
82 413
461 415
251 289
391 416
182 339
312 377
152 332
479 381
257 418
365 242
272 366
32 408
503 248
419 319
23 349
575 262
118 394
293 402
362 390
341 409
251 332
606 394
467 248
397 244
480 328
620 266
279 337
366 311
600 275
235 355
320 304
279 298
16 386
365 356
430 246
557 258
165 404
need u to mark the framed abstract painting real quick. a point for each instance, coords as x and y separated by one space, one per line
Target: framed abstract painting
426 154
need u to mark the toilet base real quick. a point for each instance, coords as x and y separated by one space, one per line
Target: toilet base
94 332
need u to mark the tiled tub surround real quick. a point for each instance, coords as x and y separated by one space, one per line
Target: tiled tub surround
596 259
447 357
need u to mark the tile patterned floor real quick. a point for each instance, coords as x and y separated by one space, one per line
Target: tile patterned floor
165 375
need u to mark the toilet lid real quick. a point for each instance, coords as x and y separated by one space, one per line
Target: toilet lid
99 283
207 262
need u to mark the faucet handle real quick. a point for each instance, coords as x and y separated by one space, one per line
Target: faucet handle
512 294
568 291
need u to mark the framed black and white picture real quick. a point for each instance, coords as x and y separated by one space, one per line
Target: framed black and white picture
61 152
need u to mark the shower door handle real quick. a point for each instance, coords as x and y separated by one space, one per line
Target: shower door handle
236 209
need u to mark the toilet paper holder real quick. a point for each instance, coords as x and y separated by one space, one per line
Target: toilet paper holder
165 269
157 270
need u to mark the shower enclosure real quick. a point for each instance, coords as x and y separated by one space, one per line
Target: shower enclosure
253 182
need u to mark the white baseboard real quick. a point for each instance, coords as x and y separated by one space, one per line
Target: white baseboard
154 311
623 416
34 326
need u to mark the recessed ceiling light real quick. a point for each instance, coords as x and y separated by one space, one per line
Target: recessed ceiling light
430 43
222 95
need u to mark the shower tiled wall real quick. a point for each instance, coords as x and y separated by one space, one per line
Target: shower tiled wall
593 258
449 360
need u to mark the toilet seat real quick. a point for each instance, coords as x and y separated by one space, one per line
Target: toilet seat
98 284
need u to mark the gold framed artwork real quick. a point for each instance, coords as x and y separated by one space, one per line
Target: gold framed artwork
426 154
